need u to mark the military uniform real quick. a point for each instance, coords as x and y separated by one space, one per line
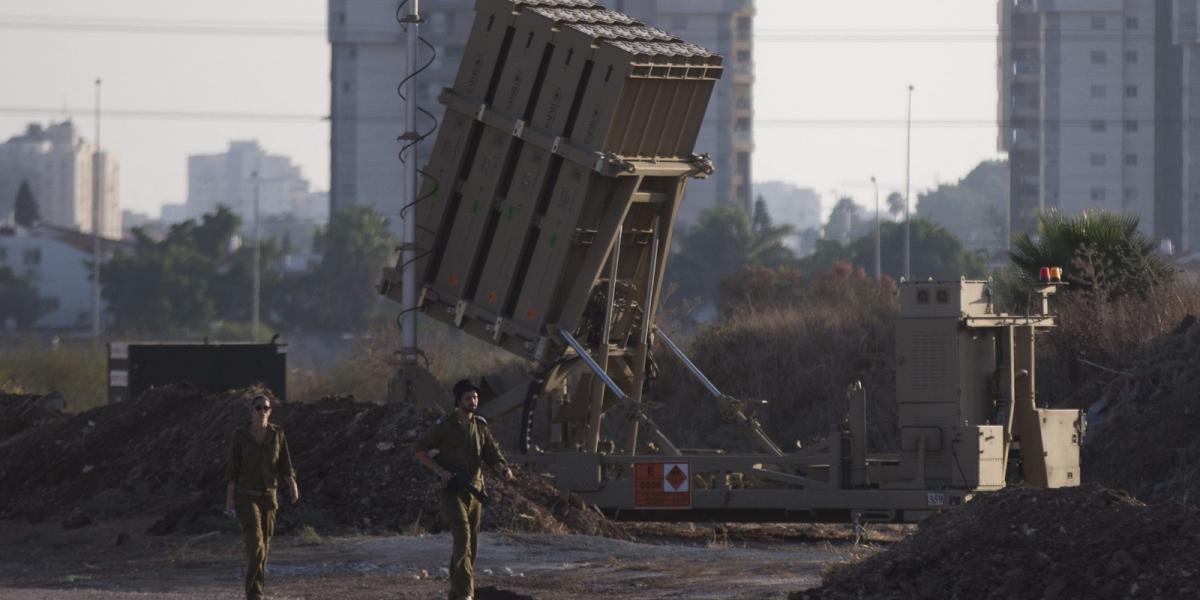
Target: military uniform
463 450
256 470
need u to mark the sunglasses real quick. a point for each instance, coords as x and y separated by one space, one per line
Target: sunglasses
262 408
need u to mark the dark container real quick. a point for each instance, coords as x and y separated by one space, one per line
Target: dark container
135 368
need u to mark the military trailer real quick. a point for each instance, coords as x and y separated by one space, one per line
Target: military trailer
543 227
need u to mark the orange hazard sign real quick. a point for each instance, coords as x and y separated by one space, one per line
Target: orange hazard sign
662 485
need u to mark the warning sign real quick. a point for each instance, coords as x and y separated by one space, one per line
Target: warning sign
662 485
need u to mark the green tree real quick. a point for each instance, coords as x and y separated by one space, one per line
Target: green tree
26 209
974 209
723 241
1099 251
173 285
339 295
935 253
19 301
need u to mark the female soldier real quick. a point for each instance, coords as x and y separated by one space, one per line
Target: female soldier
258 459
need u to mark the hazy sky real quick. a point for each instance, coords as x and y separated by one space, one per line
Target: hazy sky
831 87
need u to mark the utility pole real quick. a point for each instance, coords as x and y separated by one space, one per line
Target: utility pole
256 300
408 272
412 383
97 193
878 258
907 183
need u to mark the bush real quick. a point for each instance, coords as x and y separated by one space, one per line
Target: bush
799 352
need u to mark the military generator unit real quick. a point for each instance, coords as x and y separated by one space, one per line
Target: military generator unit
543 227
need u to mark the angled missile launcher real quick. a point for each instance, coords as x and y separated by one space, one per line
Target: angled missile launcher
569 130
544 224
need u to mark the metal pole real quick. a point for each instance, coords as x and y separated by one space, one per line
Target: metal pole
643 354
255 303
878 257
408 217
597 408
668 448
687 362
907 182
97 192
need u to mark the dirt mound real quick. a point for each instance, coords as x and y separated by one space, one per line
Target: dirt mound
1086 543
19 412
1143 421
165 454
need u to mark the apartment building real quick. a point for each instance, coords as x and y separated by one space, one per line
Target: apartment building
1090 107
369 61
58 164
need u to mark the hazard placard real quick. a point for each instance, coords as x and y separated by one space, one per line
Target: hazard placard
662 485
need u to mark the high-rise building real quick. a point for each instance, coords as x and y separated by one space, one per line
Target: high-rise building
727 28
1187 38
233 177
369 63
58 165
368 48
1090 109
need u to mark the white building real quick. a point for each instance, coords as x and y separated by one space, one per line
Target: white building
232 179
55 260
369 62
58 165
1090 109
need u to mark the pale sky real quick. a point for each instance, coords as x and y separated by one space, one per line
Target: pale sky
830 97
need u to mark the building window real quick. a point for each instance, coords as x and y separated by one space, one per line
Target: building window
345 87
49 304
1131 160
1099 22
1099 57
1131 56
3 255
743 56
1098 125
1098 194
33 257
1098 91
1131 23
1131 126
1131 91
1099 160
1131 194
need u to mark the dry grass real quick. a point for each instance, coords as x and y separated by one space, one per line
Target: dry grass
370 361
799 358
77 371
1108 333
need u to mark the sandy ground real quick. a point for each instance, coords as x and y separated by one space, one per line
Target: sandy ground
46 562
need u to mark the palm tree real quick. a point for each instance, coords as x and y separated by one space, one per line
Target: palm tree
1099 251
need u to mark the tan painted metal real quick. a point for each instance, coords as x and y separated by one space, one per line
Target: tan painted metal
545 223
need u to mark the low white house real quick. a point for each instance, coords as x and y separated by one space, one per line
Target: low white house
56 261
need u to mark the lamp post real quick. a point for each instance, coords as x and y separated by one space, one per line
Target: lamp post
878 258
255 301
97 193
907 183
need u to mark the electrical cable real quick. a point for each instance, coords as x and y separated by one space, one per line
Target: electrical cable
411 144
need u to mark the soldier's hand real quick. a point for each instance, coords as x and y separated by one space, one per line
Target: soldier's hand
230 512
445 475
508 474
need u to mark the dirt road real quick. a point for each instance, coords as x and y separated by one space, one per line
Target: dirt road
44 562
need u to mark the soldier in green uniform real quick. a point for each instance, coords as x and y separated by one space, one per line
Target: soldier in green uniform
258 459
463 445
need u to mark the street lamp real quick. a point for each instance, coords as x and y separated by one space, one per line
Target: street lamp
907 182
257 286
878 260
